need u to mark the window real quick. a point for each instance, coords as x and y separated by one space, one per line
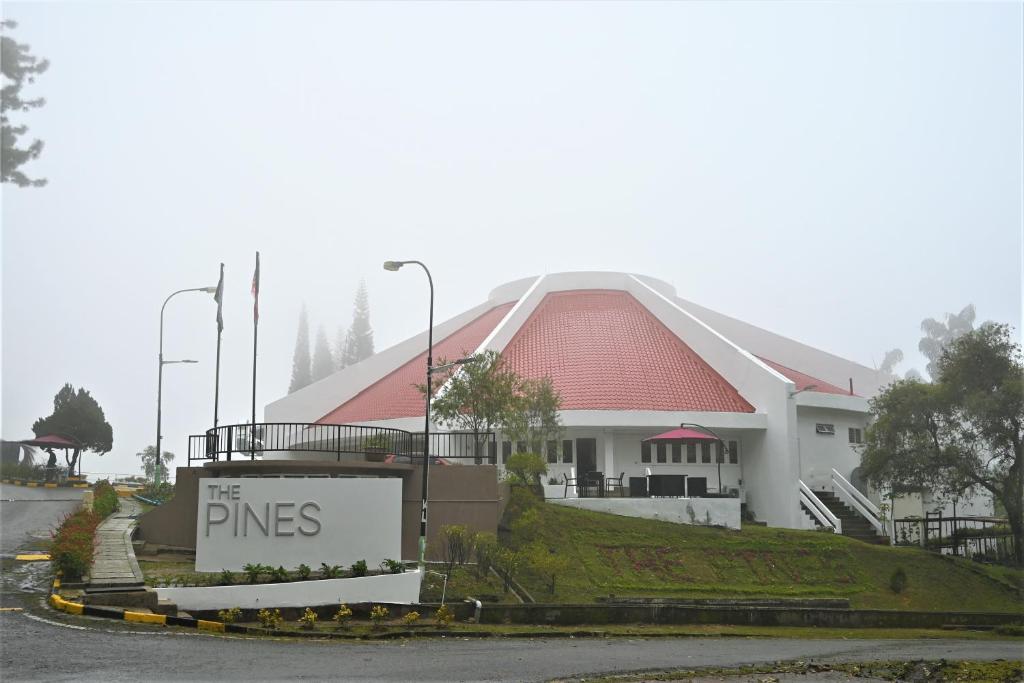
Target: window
691 452
705 452
719 453
825 429
645 452
506 450
661 452
734 452
552 452
520 446
567 451
492 452
856 435
677 452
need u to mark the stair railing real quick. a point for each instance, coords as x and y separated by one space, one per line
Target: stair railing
849 494
819 509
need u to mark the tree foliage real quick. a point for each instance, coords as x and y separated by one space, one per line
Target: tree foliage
301 366
963 431
77 416
19 67
358 343
149 465
534 418
939 334
323 362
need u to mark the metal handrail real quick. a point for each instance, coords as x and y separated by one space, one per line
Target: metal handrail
857 501
226 442
819 509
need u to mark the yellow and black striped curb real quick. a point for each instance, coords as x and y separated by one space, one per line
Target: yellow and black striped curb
47 484
59 603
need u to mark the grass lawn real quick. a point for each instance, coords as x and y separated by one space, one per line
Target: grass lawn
629 557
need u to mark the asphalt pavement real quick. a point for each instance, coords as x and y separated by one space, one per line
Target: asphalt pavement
28 514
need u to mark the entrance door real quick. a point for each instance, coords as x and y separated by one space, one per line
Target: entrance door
586 456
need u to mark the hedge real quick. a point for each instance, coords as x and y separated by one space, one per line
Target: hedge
74 540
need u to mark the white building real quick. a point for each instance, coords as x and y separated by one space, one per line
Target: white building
630 360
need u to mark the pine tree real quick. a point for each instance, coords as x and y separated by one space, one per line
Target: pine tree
340 344
323 362
300 359
359 341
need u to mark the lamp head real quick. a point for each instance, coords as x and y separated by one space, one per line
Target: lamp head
210 290
393 265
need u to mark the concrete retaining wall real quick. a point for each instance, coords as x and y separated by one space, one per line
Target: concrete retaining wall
723 512
388 588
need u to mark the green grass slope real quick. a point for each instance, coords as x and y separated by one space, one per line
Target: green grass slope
625 556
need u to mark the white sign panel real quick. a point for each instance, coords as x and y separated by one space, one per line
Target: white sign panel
288 522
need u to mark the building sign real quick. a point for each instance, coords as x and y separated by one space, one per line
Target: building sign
287 522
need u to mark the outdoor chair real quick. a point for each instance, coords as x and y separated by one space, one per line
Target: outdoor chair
614 484
569 481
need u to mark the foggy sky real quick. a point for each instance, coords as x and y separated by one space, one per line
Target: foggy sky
832 172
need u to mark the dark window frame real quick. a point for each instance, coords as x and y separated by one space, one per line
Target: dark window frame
705 452
691 453
567 445
677 453
645 452
552 447
734 452
506 451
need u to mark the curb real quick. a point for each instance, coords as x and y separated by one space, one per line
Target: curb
46 484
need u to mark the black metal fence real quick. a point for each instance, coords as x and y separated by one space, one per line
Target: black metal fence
980 538
244 441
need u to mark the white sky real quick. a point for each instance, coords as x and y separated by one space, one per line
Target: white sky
834 172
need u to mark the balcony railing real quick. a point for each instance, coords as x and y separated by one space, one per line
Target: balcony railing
245 441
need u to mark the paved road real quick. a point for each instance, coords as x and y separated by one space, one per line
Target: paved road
28 514
110 651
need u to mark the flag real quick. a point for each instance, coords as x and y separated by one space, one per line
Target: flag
256 291
219 298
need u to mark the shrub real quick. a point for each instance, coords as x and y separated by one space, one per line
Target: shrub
73 543
378 614
507 562
253 571
329 571
308 618
279 575
392 566
411 618
343 615
553 481
104 499
485 549
303 571
444 616
269 618
226 578
458 544
526 468
358 568
547 564
229 616
898 580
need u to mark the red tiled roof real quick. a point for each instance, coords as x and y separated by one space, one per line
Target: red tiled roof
604 351
396 395
804 381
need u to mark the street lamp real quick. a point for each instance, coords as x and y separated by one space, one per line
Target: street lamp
393 266
722 448
160 374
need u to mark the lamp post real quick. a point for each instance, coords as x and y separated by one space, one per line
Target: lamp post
393 266
722 448
160 373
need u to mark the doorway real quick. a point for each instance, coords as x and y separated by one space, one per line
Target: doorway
586 456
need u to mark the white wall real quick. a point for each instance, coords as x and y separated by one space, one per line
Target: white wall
401 589
818 453
723 512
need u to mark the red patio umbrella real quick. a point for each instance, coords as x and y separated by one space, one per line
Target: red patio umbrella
682 434
51 441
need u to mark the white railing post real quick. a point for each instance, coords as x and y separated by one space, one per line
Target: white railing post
819 509
855 499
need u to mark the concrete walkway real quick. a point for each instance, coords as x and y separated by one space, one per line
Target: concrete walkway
114 565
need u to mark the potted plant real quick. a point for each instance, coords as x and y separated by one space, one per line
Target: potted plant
375 448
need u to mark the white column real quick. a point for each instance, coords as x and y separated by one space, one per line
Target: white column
609 455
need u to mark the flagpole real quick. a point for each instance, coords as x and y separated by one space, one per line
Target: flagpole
255 337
